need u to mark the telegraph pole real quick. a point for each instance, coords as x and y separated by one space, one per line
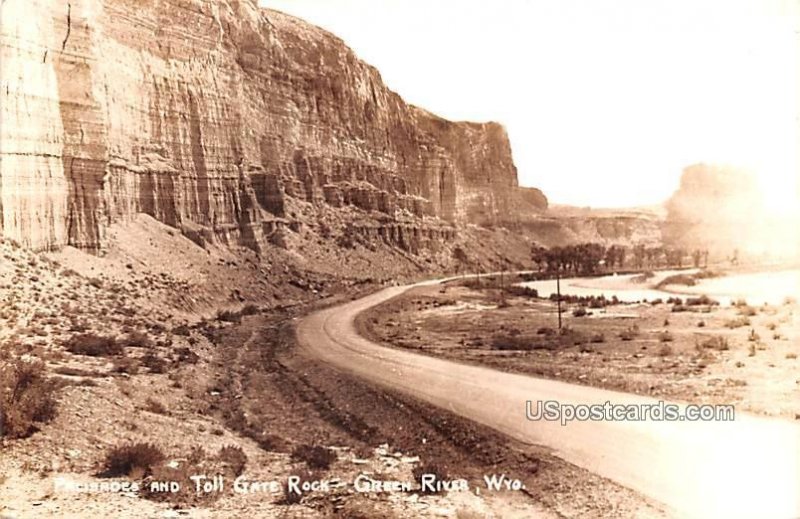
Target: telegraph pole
558 292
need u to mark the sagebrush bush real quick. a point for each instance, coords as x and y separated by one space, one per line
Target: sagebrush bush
315 457
125 459
27 398
93 345
630 333
716 343
737 323
154 363
234 457
597 338
137 339
154 406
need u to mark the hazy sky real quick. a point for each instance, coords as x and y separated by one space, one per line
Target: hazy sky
605 101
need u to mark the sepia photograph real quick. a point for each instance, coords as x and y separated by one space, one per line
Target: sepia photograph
400 259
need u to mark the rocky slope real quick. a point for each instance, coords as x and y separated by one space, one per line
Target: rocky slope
224 121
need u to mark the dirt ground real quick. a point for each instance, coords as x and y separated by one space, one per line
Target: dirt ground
699 353
193 355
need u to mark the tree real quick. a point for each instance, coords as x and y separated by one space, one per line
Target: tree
539 257
697 255
460 257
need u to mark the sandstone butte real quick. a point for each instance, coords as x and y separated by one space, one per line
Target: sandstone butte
212 116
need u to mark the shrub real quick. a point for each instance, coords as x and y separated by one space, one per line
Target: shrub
249 309
703 300
27 398
598 338
315 457
629 334
137 339
182 330
665 337
126 365
93 345
715 343
597 302
229 316
579 312
665 351
509 342
124 460
154 406
234 457
187 356
154 363
747 311
522 291
737 323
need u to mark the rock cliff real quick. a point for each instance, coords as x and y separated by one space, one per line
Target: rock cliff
220 119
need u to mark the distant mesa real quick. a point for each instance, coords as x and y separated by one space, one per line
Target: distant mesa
720 208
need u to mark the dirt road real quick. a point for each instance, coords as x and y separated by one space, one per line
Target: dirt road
746 468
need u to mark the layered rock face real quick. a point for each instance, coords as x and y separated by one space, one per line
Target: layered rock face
718 208
215 117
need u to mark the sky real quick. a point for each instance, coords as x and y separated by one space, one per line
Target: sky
605 101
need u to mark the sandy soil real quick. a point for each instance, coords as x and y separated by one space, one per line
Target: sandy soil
711 354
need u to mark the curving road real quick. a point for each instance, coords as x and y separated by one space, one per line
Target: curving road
748 468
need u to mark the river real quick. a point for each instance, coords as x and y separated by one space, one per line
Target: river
756 288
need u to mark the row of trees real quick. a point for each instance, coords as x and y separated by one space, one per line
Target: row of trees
590 258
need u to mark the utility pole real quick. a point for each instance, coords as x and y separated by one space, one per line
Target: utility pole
558 292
